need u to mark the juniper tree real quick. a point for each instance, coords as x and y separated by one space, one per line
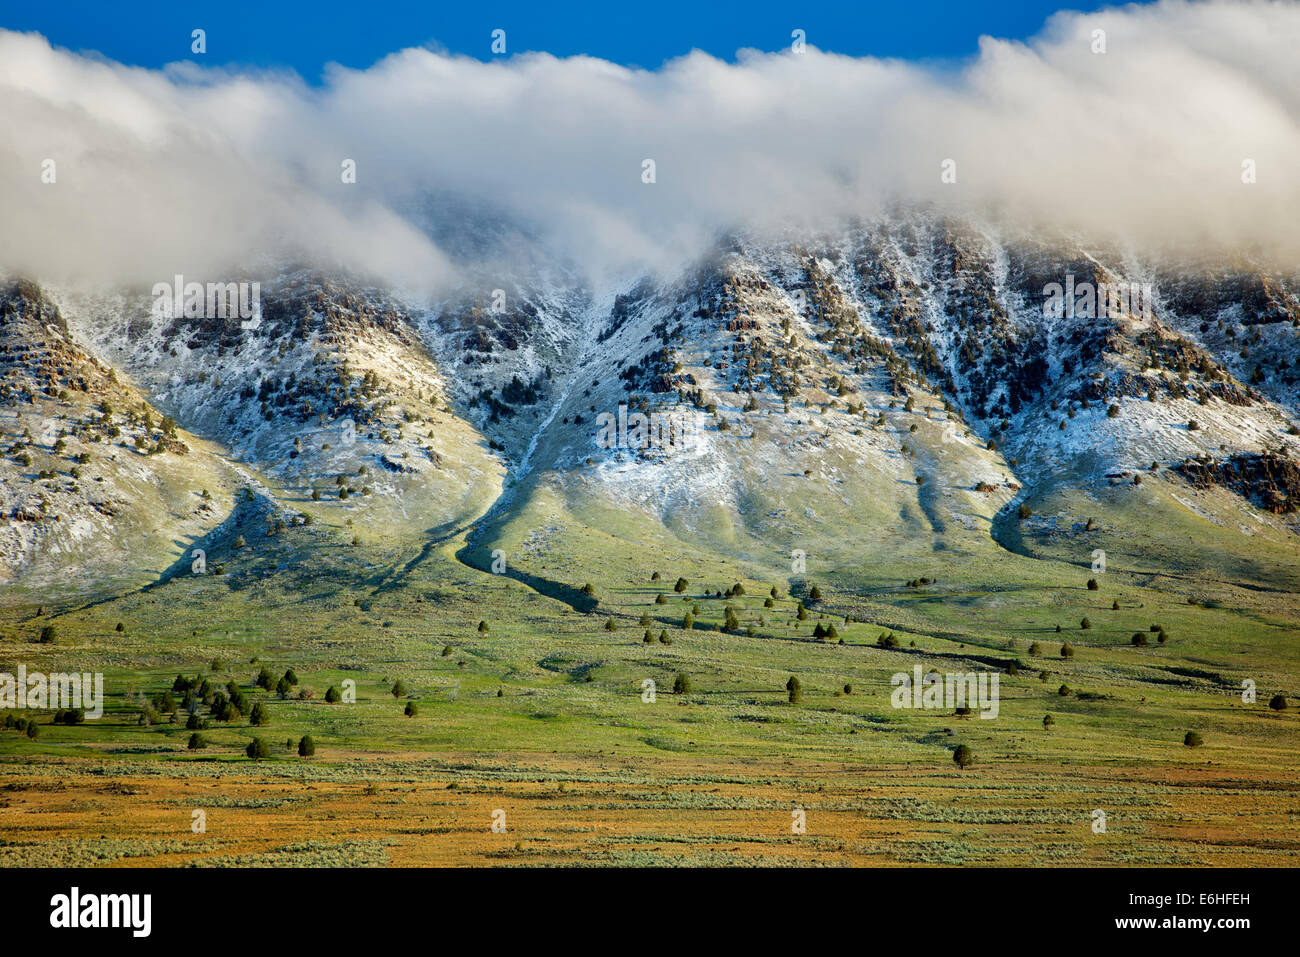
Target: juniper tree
260 716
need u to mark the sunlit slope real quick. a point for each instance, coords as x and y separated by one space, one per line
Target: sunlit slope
99 490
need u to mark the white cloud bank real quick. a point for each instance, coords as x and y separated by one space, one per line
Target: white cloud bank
193 170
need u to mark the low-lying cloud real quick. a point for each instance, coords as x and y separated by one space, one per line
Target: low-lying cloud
201 171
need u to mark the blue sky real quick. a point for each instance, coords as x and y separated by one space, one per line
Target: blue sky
304 37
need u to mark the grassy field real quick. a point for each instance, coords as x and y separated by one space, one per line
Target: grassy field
541 714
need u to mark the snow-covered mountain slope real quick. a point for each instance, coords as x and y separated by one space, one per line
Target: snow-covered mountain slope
96 484
890 388
899 387
333 397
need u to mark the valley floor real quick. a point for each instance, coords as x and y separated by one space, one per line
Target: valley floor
355 810
526 694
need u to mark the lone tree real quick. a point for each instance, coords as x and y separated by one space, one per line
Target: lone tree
306 746
1092 584
1277 703
482 627
257 750
682 683
1048 721
411 709
197 741
681 585
399 689
1193 740
815 594
332 695
1067 650
260 716
961 756
795 690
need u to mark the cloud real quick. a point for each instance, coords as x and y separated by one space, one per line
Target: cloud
203 171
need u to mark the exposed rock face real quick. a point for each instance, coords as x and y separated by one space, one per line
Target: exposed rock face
1270 481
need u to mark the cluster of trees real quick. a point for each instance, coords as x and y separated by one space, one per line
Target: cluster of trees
226 704
25 726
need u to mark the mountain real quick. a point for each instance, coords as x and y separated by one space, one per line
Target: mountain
98 485
658 548
894 387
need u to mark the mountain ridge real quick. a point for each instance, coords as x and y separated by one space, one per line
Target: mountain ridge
908 363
